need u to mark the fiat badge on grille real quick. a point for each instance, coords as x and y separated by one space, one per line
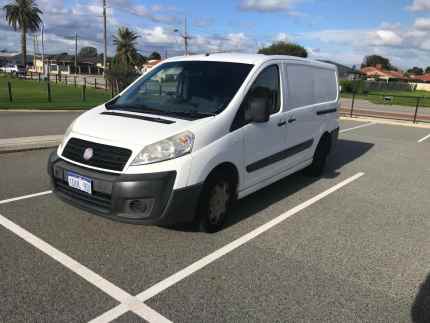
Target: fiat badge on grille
88 153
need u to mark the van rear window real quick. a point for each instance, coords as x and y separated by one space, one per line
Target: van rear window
308 85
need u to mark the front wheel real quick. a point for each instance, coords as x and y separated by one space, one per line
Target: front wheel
215 203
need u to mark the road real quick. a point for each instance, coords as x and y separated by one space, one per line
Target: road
356 253
28 124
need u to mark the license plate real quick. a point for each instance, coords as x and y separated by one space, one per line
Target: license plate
79 182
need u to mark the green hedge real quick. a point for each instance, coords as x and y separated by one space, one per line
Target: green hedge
365 86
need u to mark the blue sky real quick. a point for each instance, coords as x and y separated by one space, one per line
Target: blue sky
342 30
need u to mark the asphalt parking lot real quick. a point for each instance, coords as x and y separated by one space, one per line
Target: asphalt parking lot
352 246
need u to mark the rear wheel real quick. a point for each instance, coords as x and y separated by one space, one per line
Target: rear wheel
215 203
317 167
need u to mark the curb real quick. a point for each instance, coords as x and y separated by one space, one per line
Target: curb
10 145
42 110
386 121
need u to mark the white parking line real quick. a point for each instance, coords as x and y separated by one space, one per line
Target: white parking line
357 127
423 139
25 197
129 302
184 273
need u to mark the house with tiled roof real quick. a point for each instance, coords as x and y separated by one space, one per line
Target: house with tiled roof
421 78
378 72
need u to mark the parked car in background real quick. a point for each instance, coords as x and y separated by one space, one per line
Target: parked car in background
14 69
195 133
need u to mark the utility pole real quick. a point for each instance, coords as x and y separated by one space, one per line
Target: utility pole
34 50
185 36
104 37
76 53
43 49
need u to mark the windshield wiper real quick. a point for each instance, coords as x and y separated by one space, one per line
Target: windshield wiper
193 114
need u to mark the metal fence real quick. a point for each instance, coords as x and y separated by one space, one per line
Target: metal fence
54 90
388 106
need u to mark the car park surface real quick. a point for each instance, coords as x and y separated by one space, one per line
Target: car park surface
357 254
34 123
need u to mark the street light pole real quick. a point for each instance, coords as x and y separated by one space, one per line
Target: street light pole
76 53
104 37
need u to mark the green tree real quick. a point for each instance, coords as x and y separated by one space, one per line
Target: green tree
416 71
23 15
155 55
125 42
122 70
88 52
427 70
375 60
284 48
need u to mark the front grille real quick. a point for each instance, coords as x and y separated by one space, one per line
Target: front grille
99 201
107 157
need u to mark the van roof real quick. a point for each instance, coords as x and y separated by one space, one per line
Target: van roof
254 59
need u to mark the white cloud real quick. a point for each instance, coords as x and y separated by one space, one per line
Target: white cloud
268 5
385 38
422 23
282 37
157 35
405 45
419 5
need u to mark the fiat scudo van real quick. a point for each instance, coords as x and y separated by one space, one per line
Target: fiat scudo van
195 134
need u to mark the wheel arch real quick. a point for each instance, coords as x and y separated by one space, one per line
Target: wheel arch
227 168
326 139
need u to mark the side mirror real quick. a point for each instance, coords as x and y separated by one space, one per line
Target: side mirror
258 110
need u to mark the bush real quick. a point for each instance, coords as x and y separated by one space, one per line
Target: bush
357 86
347 86
121 75
364 86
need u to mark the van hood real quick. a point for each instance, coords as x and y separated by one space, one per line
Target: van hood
129 127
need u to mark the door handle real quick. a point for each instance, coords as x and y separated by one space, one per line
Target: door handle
292 120
282 123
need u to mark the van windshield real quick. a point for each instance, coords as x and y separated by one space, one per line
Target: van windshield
186 89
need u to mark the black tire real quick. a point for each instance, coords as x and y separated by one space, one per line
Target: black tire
316 169
209 220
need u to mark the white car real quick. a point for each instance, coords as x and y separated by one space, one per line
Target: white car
196 133
13 69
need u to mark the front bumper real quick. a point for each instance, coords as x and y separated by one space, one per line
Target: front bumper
142 198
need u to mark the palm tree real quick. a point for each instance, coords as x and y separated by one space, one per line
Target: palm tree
125 42
23 15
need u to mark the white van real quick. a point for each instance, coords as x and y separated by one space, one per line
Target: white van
194 134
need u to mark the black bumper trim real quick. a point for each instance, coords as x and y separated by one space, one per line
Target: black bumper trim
114 194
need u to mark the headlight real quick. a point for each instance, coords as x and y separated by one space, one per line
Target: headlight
67 133
166 149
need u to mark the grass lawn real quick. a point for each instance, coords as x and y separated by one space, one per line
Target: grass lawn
404 98
34 95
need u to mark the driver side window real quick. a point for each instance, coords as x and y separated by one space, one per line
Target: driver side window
266 86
